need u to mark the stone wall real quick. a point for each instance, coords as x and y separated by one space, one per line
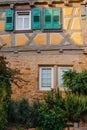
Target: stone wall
29 67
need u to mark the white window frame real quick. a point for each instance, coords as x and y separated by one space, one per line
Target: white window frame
23 17
60 80
45 88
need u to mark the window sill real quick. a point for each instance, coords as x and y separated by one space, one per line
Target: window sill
51 31
23 31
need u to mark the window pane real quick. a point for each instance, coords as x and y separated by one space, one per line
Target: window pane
19 23
46 77
26 23
61 71
22 20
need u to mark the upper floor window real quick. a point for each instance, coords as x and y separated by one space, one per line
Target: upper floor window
34 19
23 20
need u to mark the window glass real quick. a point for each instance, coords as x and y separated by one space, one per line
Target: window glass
61 71
86 10
19 20
46 78
23 20
26 23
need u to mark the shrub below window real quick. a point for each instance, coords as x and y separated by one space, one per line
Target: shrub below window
51 112
22 112
51 119
75 106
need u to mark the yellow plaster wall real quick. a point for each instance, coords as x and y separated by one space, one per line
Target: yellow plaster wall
55 38
31 34
20 39
41 5
66 23
3 15
76 25
1 26
77 38
5 39
77 11
67 11
40 39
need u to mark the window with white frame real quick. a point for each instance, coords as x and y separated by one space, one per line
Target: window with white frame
61 71
23 20
46 78
46 19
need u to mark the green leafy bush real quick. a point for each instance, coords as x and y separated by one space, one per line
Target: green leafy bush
13 112
76 82
75 106
3 116
76 97
51 115
54 98
51 118
21 112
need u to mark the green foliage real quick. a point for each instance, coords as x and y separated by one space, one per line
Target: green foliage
13 112
51 115
18 127
54 98
76 99
75 106
7 76
3 116
28 113
21 112
51 119
77 82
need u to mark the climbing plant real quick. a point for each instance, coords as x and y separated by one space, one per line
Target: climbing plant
7 76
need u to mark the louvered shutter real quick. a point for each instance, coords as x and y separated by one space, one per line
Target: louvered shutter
36 18
56 18
47 18
9 19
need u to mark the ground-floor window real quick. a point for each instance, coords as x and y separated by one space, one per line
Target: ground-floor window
46 78
49 77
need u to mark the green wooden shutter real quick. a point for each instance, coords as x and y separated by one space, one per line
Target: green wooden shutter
56 18
9 19
36 18
47 18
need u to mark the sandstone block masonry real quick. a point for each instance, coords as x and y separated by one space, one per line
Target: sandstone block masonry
29 67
